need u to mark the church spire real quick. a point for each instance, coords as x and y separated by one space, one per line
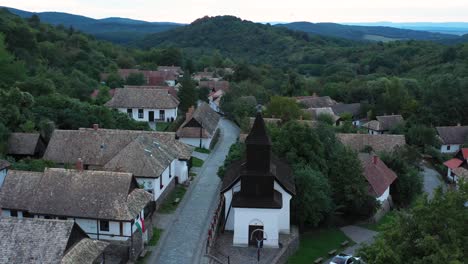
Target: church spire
258 147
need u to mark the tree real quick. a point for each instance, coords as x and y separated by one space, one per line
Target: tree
312 202
135 79
203 93
432 231
114 81
283 107
187 93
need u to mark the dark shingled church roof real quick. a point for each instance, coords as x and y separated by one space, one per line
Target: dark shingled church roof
258 134
35 240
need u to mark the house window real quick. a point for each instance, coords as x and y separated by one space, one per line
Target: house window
27 215
104 225
160 182
140 113
121 229
130 112
448 147
62 218
14 213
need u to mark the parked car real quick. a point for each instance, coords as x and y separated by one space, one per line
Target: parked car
346 259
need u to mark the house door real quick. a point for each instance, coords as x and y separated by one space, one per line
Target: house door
151 116
258 235
162 115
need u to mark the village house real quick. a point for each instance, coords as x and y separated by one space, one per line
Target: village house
149 105
352 109
214 100
378 176
105 205
204 76
175 69
217 91
257 193
200 127
383 124
368 142
457 167
160 77
315 101
315 113
156 159
4 165
21 145
452 138
171 90
47 241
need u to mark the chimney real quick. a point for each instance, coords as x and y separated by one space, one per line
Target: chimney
79 164
375 159
300 117
95 126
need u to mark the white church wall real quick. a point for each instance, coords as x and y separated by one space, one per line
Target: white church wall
243 217
284 216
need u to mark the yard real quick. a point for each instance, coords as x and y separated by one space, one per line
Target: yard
317 244
162 126
386 219
203 150
169 204
196 162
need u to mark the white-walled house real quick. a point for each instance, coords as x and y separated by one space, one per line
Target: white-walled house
156 159
200 127
457 167
378 176
257 193
452 138
29 240
149 105
383 124
106 205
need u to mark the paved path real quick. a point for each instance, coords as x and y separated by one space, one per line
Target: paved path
359 235
199 155
432 180
183 242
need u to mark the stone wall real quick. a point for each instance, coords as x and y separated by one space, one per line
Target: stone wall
290 246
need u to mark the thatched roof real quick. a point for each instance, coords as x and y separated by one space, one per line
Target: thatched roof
35 240
203 116
359 142
86 194
23 143
453 134
117 150
142 98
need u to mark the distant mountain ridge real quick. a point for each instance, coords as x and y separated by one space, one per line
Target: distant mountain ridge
115 29
372 33
126 31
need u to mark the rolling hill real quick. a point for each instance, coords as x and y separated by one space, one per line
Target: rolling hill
373 33
115 29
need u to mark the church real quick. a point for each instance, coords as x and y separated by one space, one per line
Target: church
258 192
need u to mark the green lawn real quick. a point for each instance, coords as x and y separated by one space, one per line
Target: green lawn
156 235
196 162
169 206
386 219
317 244
203 150
192 174
162 126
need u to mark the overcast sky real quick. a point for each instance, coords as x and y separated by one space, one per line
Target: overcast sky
186 11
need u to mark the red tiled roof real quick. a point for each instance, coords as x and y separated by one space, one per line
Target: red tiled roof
453 163
465 152
378 175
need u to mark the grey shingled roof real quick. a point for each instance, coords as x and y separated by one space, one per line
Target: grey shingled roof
358 142
86 194
315 101
453 134
384 123
23 143
17 189
44 241
117 150
354 109
205 116
316 112
142 98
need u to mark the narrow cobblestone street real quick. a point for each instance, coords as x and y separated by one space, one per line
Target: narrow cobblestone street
184 239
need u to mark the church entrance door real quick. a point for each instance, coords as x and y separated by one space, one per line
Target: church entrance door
258 235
